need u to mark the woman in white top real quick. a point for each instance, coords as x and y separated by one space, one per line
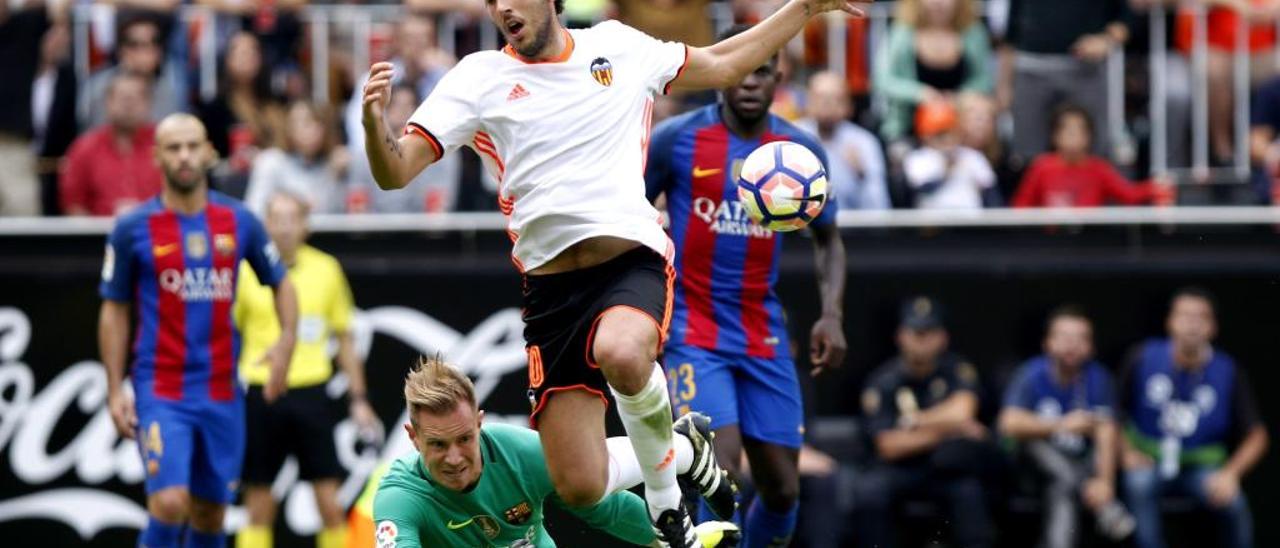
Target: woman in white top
310 166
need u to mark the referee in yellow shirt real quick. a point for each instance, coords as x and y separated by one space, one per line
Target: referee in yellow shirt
301 422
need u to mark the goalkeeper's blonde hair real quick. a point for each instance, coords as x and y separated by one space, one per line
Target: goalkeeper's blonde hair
436 387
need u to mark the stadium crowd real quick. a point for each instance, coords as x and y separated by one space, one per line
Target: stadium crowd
960 104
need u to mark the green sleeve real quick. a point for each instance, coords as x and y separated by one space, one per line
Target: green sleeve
397 516
622 514
895 67
977 55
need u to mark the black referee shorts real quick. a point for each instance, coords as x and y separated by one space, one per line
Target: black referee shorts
301 424
561 312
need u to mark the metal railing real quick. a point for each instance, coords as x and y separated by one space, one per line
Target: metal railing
900 218
320 20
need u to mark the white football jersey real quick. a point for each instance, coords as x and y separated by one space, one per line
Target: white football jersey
565 138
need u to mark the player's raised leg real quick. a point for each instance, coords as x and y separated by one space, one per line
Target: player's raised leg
625 345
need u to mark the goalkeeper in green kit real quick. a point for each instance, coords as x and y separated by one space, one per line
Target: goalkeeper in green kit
474 485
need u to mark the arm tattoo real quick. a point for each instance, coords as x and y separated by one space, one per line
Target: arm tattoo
394 145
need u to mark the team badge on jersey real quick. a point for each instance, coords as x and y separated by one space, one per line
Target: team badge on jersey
602 71
518 514
197 245
225 244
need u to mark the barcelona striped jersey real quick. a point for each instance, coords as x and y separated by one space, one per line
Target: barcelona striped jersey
180 272
727 264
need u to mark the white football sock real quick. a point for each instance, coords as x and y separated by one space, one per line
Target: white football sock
624 469
646 416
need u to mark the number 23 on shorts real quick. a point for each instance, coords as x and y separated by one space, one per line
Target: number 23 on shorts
683 387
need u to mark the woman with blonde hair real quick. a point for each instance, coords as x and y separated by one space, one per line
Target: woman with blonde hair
935 48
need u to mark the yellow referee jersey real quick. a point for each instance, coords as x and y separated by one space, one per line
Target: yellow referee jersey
324 308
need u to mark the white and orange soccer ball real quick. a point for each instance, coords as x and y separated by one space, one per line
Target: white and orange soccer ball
782 186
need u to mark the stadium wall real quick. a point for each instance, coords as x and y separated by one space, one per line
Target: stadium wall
65 478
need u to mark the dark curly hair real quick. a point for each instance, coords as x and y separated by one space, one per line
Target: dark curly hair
559 6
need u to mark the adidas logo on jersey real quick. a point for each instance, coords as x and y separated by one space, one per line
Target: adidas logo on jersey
517 92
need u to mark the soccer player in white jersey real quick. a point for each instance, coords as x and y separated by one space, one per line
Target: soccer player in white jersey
562 119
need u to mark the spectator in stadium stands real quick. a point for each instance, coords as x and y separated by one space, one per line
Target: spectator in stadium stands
978 130
1264 141
435 190
21 27
140 51
935 49
311 165
468 19
855 161
300 423
1056 52
1223 27
1191 425
1177 80
418 61
943 174
1072 177
1060 410
921 411
856 62
245 117
53 110
276 24
112 167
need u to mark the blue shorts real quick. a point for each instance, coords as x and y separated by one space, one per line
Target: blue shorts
196 445
761 396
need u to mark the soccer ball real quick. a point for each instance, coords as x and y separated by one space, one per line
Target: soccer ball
782 186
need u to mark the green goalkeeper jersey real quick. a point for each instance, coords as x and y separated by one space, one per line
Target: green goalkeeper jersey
503 509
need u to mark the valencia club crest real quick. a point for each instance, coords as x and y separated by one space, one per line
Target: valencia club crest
602 71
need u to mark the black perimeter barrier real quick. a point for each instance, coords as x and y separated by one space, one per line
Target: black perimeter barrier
66 478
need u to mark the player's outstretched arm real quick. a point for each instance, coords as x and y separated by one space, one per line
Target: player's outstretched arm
727 62
394 159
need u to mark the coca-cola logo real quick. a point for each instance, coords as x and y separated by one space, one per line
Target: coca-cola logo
96 455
